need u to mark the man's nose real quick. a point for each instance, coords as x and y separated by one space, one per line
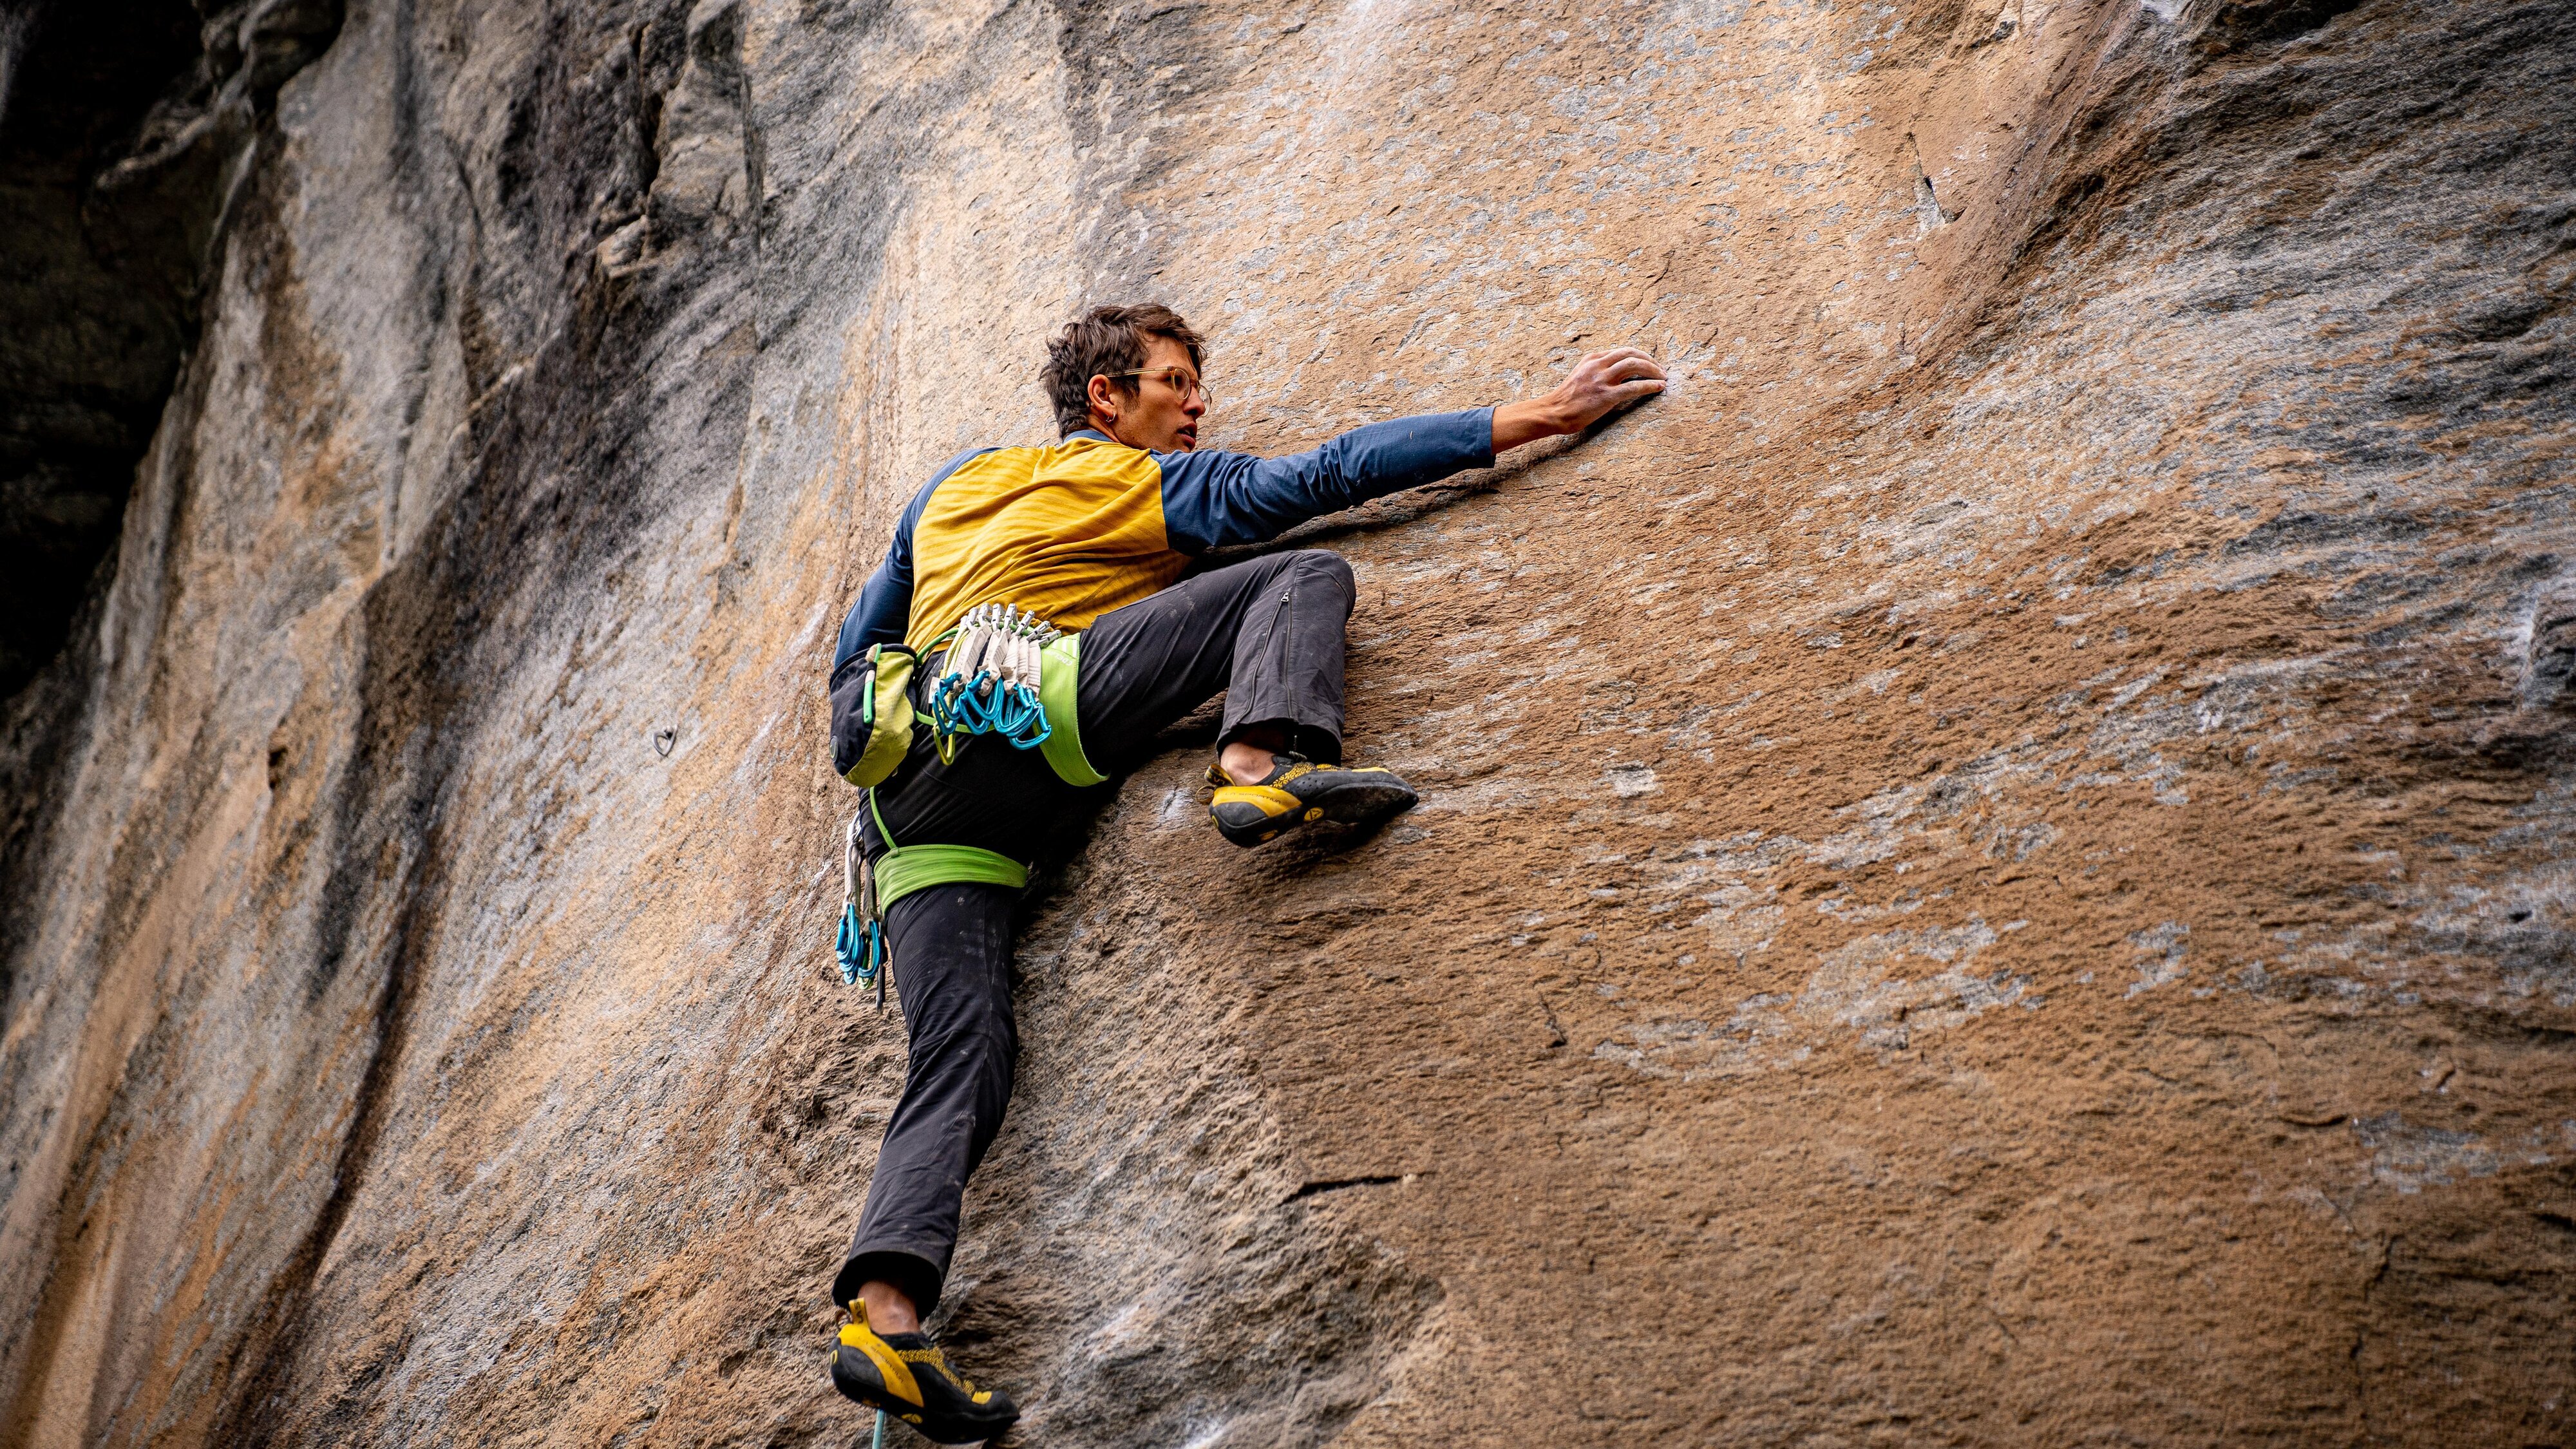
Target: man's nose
1194 403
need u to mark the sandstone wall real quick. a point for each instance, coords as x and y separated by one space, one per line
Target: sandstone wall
1996 867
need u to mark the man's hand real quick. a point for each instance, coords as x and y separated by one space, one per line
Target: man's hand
1601 382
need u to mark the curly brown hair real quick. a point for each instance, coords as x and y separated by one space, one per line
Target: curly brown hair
1106 341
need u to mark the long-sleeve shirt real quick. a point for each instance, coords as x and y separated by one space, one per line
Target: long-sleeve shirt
1072 531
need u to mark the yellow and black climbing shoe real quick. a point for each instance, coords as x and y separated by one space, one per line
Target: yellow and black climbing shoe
903 1374
1298 790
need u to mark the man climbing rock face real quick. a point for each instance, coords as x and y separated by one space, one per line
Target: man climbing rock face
1093 537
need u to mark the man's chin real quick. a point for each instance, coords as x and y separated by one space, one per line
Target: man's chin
1185 443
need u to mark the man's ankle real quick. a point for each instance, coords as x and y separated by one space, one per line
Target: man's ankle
889 1310
1245 763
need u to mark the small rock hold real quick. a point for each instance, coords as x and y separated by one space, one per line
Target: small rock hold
2549 652
1631 781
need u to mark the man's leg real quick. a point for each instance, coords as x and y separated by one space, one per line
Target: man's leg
951 948
952 963
1270 633
1267 631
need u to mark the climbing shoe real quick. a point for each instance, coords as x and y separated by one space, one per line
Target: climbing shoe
1298 790
903 1374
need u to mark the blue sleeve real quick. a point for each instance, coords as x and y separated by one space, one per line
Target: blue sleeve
1213 499
884 606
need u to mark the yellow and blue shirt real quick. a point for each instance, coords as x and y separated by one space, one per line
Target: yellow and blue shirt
1074 530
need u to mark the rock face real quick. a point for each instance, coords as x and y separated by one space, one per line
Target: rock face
1997 866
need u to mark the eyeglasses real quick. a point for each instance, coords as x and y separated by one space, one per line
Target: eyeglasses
1179 379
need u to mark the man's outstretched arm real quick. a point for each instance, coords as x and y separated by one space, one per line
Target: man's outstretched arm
1213 499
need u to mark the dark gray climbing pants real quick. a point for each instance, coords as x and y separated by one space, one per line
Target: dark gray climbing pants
1269 633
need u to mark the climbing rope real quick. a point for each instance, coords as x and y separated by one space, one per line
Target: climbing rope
989 683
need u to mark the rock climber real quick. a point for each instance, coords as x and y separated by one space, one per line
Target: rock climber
1096 535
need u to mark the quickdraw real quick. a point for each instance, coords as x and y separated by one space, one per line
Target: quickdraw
989 683
861 944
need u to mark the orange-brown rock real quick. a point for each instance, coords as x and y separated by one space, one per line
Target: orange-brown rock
1995 866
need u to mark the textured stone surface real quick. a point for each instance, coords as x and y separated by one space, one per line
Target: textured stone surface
1996 866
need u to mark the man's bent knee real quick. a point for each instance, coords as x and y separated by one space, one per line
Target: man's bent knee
1326 564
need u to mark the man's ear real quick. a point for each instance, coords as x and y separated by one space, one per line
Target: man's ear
1103 397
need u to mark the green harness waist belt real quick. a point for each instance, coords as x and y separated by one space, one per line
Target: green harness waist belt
1056 690
904 869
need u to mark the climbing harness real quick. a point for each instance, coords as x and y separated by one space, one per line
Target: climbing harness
903 869
991 681
1060 668
1007 673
